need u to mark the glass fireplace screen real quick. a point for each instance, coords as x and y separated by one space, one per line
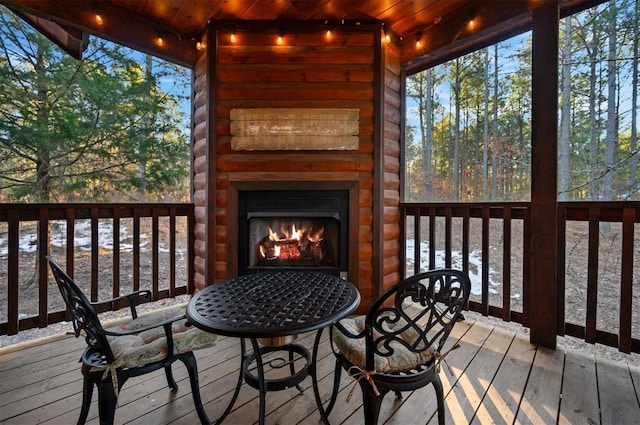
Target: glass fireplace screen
293 241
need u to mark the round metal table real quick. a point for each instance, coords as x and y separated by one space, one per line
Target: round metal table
272 308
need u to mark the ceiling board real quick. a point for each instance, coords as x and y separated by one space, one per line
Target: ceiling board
185 20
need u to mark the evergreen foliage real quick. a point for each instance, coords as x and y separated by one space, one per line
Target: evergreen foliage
107 128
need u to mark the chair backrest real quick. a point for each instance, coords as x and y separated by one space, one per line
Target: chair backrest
417 313
83 315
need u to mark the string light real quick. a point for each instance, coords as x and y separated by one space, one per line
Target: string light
232 37
328 32
160 41
419 40
99 20
280 40
199 45
386 37
471 24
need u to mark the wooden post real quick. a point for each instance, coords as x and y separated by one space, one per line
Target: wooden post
542 298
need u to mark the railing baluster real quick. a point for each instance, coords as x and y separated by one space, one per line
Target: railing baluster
136 250
155 240
447 237
13 269
526 268
561 273
115 213
466 226
485 260
71 240
432 237
41 261
506 264
592 276
417 235
172 251
95 253
626 279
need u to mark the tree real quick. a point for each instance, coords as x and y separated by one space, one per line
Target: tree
612 119
565 114
81 130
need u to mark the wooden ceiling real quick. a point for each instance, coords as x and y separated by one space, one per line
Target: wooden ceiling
180 23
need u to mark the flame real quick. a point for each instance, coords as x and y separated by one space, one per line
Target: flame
286 244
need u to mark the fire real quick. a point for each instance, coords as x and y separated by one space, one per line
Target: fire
292 244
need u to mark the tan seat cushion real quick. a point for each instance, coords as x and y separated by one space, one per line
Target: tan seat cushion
151 346
401 360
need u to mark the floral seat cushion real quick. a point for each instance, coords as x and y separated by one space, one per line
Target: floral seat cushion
401 360
151 345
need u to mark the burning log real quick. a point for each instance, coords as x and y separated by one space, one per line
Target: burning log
298 245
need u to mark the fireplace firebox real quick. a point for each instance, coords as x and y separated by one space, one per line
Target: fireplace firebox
293 229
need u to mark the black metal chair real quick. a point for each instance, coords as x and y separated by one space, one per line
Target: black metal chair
142 345
397 345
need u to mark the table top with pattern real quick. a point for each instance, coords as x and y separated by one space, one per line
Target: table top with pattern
272 304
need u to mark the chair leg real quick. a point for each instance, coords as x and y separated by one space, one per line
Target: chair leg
371 402
437 385
170 380
87 393
189 361
107 400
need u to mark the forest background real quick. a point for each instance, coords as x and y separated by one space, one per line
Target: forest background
469 121
112 127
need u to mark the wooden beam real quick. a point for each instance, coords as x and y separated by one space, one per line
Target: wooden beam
453 36
117 25
72 41
542 296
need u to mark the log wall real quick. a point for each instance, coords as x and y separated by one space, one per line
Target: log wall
351 69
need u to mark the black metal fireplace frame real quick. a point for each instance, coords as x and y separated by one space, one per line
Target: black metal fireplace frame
312 203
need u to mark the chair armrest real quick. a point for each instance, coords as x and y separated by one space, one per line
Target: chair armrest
165 323
131 298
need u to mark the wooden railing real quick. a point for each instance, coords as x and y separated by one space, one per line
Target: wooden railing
150 246
490 241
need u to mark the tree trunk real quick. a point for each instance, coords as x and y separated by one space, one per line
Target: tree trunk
456 134
565 115
633 141
43 155
611 140
494 135
594 141
485 135
428 148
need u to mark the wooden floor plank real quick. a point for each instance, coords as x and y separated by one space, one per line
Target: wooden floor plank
421 405
618 400
579 402
466 396
541 398
500 403
487 385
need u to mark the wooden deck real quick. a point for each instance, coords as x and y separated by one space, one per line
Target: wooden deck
498 377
